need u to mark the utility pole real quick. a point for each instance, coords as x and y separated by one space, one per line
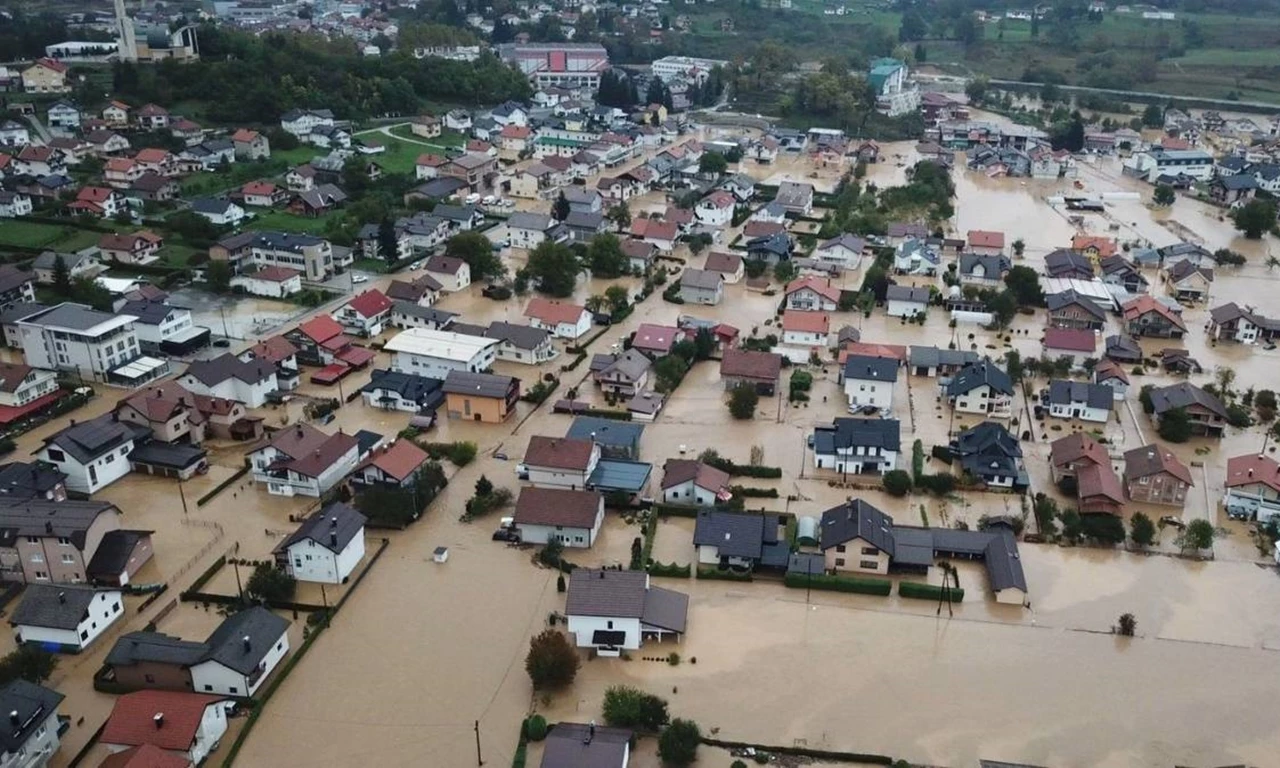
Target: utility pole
479 759
182 495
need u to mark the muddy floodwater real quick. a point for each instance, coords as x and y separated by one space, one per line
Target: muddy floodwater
423 651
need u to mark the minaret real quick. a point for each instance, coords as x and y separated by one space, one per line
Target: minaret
125 36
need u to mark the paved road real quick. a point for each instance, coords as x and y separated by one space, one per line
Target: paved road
39 128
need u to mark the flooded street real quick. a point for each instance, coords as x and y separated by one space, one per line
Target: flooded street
423 650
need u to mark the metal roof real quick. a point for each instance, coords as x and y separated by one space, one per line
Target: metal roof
619 475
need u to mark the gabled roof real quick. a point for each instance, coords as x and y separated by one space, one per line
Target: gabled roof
679 471
227 644
977 374
553 312
911 293
1186 268
1154 459
1078 446
559 453
1070 297
739 363
868 368
320 328
1064 392
1253 468
981 238
1185 394
820 287
625 594
371 303
1072 339
557 507
227 366
1144 304
806 322
332 527
574 745
736 534
477 384
846 433
856 519
33 705
133 719
54 606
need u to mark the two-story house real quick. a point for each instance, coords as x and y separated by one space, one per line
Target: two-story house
1153 475
570 517
626 373
561 319
326 548
811 294
1252 488
1069 309
560 462
857 446
366 315
1079 400
870 381
231 378
1207 414
981 388
301 460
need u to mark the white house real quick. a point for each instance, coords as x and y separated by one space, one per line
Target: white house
522 343
397 391
242 652
685 481
303 461
906 300
870 381
981 388
453 274
74 337
92 454
365 315
178 724
1080 400
527 230
302 122
434 353
857 446
1157 162
36 734
274 282
612 611
803 335
225 213
572 518
230 378
68 617
21 384
14 204
811 294
1253 487
559 462
715 210
561 319
844 251
327 547
916 257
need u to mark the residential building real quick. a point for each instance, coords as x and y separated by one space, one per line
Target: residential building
313 255
17 286
326 548
1068 263
570 517
617 439
102 202
856 537
220 211
22 481
655 341
1157 162
1119 271
612 611
301 122
1069 309
716 209
1147 316
907 300
1188 281
35 731
796 197
932 361
272 282
435 353
250 145
397 391
453 274
1206 412
63 617
406 314
728 265
982 388
560 462
1079 400
685 481
365 315
1231 322
173 414
984 270
1098 490
574 745
740 540
990 454
528 230
162 327
230 378
560 319
844 251
812 295
15 204
1068 455
394 465
1076 344
480 396
625 373
870 381
25 389
857 446
177 725
83 263
558 65
699 286
92 454
985 243
45 76
60 542
300 460
1252 487
1112 375
1153 475
758 369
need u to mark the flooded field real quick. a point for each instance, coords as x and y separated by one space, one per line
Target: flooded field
425 650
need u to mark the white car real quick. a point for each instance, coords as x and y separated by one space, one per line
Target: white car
489 200
359 279
473 198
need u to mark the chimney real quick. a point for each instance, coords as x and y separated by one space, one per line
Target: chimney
1250 471
48 526
333 538
62 597
13 717
333 522
248 643
158 719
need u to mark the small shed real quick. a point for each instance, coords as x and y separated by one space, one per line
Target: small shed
807 531
441 555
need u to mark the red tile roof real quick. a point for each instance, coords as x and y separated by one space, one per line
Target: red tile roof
981 238
258 188
652 228
758 228
1253 468
650 336
276 274
820 287
145 756
274 349
94 194
1077 446
1073 339
559 452
433 161
371 303
739 363
152 155
1104 245
132 720
53 64
399 460
321 328
869 349
1145 303
806 322
1099 480
516 132
554 312
244 136
552 506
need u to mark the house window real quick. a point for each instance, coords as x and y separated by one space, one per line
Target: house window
42 576
840 548
33 540
208 687
56 455
871 565
110 458
839 562
63 541
68 559
609 625
234 689
37 558
115 608
40 732
870 551
84 635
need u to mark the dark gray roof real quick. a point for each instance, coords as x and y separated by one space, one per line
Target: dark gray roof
522 336
454 212
616 594
584 220
212 205
227 366
410 386
632 364
907 293
28 480
1056 301
478 384
735 534
88 440
974 375
987 439
53 606
607 432
845 432
912 546
332 527
440 188
535 222
33 703
1066 261
856 519
806 564
1063 392
75 316
1186 268
155 647
993 265
1185 394
1123 348
573 745
47 259
39 517
430 314
155 453
866 367
778 244
665 609
147 312
20 311
931 357
11 277
227 645
112 555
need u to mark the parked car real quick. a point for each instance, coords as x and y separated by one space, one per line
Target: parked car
473 198
359 279
1176 522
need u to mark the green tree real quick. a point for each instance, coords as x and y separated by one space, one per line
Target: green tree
1103 528
668 372
617 297
1025 285
1199 535
1255 217
704 344
913 27
552 661
976 88
897 482
1264 402
1141 530
86 290
61 276
620 215
218 276
712 163
1144 398
743 400
605 257
388 243
1072 526
678 744
1164 195
1153 116
1127 625
627 707
27 662
560 209
269 583
484 486
554 268
476 249
1175 425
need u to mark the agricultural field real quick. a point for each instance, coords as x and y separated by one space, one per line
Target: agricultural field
288 222
31 234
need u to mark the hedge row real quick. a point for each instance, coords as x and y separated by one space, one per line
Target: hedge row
744 470
880 587
918 591
675 510
576 362
717 574
747 491
603 413
673 570
220 487
208 574
827 754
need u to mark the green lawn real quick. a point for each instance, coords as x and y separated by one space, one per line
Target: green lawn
235 176
287 222
298 155
30 234
445 140
399 157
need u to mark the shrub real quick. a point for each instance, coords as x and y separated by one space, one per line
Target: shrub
535 728
940 484
1127 625
460 453
552 661
672 571
627 707
678 744
27 662
897 482
712 572
271 584
862 586
918 591
942 453
743 401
